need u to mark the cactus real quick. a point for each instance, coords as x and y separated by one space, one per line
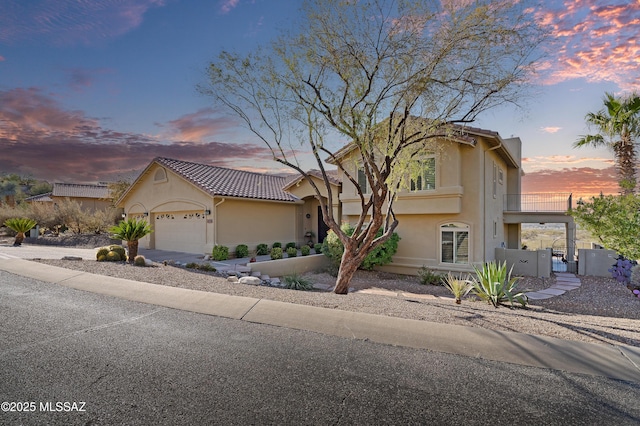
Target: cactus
139 261
102 258
120 250
102 252
113 256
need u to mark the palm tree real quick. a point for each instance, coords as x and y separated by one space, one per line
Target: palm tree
19 225
131 230
618 126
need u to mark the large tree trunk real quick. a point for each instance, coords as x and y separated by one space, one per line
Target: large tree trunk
348 267
133 250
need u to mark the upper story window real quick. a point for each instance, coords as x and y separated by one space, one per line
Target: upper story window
423 178
363 183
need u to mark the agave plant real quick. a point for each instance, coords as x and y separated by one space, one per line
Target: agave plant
297 282
493 284
131 230
20 225
457 286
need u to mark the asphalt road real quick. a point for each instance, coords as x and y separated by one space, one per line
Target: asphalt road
124 362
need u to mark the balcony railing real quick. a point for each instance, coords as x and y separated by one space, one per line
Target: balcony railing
543 202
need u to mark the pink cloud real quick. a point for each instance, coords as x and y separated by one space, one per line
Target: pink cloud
551 129
1 58
594 40
41 139
67 22
582 182
199 125
227 6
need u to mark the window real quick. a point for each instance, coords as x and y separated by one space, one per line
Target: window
495 180
455 243
362 181
160 175
424 177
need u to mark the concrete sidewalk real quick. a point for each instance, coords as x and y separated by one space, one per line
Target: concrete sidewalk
618 362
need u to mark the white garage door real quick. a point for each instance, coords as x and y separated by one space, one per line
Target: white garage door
180 231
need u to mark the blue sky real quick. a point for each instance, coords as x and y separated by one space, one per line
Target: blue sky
93 90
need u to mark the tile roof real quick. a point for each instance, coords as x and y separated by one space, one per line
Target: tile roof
218 181
332 175
40 197
80 190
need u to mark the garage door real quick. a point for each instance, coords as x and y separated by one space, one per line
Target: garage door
180 231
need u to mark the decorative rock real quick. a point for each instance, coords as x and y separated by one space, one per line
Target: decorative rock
71 258
265 277
148 262
250 280
275 282
232 279
255 274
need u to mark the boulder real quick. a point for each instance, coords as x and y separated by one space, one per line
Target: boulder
232 279
250 280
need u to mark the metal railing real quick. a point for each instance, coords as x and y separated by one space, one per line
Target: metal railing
541 202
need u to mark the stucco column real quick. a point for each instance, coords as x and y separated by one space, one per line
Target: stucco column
570 230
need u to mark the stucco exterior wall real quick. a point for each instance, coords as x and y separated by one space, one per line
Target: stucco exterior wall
255 222
464 194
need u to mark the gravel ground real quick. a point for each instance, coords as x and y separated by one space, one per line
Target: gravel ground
600 311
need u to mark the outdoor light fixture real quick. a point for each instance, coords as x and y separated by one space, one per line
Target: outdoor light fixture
124 215
207 212
146 213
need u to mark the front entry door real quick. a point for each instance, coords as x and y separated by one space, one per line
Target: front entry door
322 227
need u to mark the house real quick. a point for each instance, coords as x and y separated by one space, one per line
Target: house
192 207
90 197
456 212
451 214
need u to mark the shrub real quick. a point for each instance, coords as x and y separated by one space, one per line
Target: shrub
292 252
131 230
493 284
457 286
297 282
318 248
621 270
289 245
428 276
305 250
20 225
139 260
220 252
276 253
102 253
332 248
276 245
242 251
113 256
262 249
201 267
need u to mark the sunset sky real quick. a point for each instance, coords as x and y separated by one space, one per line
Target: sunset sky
93 90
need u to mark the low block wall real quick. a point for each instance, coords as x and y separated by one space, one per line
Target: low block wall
526 262
595 262
299 265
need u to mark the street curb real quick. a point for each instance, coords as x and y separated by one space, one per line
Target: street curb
620 362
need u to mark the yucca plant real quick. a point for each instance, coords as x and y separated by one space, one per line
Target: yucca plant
457 286
20 225
131 230
297 282
493 284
